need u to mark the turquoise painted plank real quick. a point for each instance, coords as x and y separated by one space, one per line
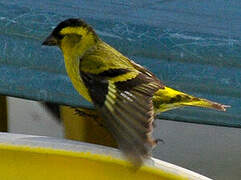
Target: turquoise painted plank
191 46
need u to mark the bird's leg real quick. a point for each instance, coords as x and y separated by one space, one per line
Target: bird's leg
90 113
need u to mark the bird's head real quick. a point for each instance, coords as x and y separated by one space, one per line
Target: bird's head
72 36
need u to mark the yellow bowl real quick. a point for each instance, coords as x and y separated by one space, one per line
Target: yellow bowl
25 157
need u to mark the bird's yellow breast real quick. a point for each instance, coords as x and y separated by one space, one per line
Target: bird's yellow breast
72 68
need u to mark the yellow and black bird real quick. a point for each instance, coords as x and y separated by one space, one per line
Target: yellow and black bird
125 94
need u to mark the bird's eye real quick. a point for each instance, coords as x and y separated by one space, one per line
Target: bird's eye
78 36
74 37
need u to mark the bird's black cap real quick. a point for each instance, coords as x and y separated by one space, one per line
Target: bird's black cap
53 38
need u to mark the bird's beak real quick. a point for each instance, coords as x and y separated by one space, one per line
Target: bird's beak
50 41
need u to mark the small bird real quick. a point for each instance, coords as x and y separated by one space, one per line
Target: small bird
126 95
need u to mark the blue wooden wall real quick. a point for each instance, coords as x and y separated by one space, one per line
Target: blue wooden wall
193 46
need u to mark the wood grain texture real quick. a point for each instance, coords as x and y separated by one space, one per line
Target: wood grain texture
191 46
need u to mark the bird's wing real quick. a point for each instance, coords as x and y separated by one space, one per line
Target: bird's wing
147 73
126 108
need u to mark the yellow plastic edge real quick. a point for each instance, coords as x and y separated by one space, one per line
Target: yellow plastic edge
35 163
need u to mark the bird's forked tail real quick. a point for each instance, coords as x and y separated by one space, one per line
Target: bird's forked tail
167 99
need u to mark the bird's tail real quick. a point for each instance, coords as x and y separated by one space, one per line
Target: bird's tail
167 99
